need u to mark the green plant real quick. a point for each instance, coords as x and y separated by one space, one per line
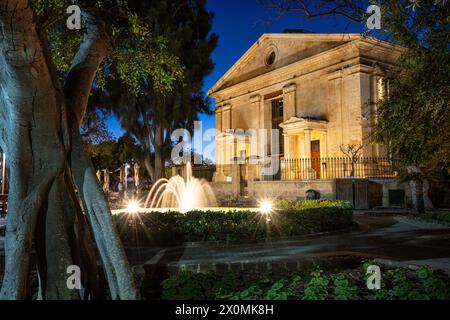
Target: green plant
435 286
343 288
187 286
403 287
277 291
424 284
438 216
226 286
316 288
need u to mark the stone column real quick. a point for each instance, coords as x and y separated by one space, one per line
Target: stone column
251 179
324 145
228 141
307 144
335 106
289 101
236 179
301 146
219 147
226 118
255 104
366 112
219 119
287 147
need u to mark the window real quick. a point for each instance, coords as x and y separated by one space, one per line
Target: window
271 55
270 58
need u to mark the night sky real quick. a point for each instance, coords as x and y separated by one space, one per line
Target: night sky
239 23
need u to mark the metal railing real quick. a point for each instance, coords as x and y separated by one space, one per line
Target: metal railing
330 168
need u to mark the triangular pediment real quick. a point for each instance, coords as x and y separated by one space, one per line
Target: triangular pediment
287 49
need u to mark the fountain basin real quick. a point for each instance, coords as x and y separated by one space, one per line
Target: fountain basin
164 210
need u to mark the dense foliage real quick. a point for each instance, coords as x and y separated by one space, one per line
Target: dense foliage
397 284
436 216
292 219
152 115
137 51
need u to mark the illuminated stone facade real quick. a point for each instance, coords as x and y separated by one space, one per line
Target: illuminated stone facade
318 89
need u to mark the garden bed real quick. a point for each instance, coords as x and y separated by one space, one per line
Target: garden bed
348 284
289 219
441 217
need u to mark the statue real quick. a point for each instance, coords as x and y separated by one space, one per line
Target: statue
106 181
136 176
121 179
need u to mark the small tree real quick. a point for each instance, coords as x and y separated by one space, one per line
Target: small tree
353 152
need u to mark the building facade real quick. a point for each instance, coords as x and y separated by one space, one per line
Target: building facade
319 91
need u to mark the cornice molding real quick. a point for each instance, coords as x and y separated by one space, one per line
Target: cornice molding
226 107
289 88
255 98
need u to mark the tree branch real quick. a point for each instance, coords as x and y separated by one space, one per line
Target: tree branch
350 9
118 271
95 47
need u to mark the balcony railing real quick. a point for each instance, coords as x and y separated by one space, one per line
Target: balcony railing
329 168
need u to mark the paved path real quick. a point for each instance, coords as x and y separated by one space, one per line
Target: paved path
383 237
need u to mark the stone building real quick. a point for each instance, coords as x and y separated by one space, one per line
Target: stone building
320 92
318 89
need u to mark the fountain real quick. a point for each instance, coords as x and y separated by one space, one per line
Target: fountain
181 194
175 194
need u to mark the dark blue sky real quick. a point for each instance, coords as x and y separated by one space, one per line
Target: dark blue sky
239 23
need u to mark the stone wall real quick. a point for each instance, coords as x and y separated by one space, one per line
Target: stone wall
393 184
224 191
293 190
296 190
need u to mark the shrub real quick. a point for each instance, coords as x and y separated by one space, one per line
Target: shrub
437 216
291 219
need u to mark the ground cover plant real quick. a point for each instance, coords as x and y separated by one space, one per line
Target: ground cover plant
349 284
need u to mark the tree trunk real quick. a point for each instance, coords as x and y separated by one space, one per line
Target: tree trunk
39 130
159 157
149 167
426 196
418 198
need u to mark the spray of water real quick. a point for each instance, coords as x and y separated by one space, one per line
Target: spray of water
183 194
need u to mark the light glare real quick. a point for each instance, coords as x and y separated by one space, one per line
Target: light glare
133 206
266 207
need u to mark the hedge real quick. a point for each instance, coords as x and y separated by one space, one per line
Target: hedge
290 219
